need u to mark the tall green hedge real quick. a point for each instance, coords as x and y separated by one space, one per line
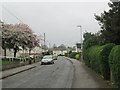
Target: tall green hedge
114 60
96 57
91 57
86 56
104 60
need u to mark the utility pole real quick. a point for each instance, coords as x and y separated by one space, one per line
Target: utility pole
81 41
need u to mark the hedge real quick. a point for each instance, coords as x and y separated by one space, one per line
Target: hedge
114 61
86 56
96 57
104 60
93 56
75 55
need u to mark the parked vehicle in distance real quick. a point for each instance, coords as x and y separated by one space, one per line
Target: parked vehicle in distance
60 55
48 59
55 57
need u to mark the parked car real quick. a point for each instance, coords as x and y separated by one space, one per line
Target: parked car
55 57
60 55
48 59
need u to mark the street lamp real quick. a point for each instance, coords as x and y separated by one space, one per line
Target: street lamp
81 40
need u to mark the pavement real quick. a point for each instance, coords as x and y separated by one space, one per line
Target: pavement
85 77
11 72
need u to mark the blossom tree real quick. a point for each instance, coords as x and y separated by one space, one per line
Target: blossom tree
18 35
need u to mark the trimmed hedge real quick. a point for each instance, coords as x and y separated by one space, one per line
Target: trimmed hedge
96 57
114 60
104 60
86 56
93 56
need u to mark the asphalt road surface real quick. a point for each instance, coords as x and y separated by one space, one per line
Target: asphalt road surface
58 75
63 74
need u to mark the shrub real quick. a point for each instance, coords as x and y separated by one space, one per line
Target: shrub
66 54
91 57
86 57
114 61
104 60
77 56
73 55
94 58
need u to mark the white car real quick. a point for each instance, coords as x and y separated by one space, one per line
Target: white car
48 59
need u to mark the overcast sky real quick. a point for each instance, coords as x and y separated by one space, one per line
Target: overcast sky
58 20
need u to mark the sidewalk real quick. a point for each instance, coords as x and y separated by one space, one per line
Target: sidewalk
85 77
17 70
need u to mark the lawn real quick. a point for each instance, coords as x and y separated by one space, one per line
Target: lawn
6 62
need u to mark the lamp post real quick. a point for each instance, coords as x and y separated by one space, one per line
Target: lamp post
81 41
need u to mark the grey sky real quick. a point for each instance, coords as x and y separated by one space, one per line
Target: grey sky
57 19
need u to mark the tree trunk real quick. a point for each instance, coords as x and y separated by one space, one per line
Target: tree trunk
29 51
5 52
30 57
15 52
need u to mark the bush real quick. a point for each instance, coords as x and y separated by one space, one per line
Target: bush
104 60
93 56
73 55
96 57
86 57
114 61
66 54
77 56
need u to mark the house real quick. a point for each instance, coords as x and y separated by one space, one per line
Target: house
62 50
21 52
59 51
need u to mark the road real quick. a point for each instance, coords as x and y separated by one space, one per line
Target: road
43 76
63 74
